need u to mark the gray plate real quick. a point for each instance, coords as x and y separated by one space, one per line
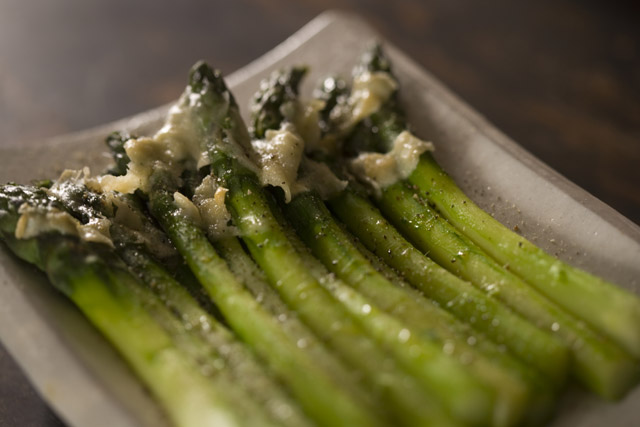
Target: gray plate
84 380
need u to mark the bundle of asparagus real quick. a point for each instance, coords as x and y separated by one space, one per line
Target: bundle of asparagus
318 268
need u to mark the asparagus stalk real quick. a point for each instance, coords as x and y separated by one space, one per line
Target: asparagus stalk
515 383
418 318
440 285
598 364
247 272
231 358
136 227
247 407
116 310
320 397
257 398
575 290
253 279
299 289
216 348
537 348
286 272
204 111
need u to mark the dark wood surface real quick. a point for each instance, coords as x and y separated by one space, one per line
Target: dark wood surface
562 78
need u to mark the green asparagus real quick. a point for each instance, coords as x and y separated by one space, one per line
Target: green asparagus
575 290
204 113
539 349
253 279
292 298
437 283
597 363
216 349
329 243
286 272
95 286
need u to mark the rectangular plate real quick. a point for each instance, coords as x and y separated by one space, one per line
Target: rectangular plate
85 381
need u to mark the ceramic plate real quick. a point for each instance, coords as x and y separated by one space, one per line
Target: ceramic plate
84 380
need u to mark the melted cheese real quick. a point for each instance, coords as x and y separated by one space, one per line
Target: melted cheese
382 170
283 163
308 123
186 208
370 91
318 177
210 201
123 213
144 231
180 143
181 134
34 221
280 154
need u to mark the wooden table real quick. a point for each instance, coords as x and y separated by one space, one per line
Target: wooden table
560 77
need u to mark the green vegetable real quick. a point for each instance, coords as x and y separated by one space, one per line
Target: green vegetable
577 291
237 304
286 272
216 349
417 317
253 279
537 348
596 361
447 379
319 396
100 287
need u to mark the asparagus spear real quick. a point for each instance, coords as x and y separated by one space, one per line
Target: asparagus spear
440 285
134 224
575 290
94 285
203 112
514 382
257 398
248 407
253 279
233 358
214 346
247 272
532 345
598 363
286 272
419 318
317 393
